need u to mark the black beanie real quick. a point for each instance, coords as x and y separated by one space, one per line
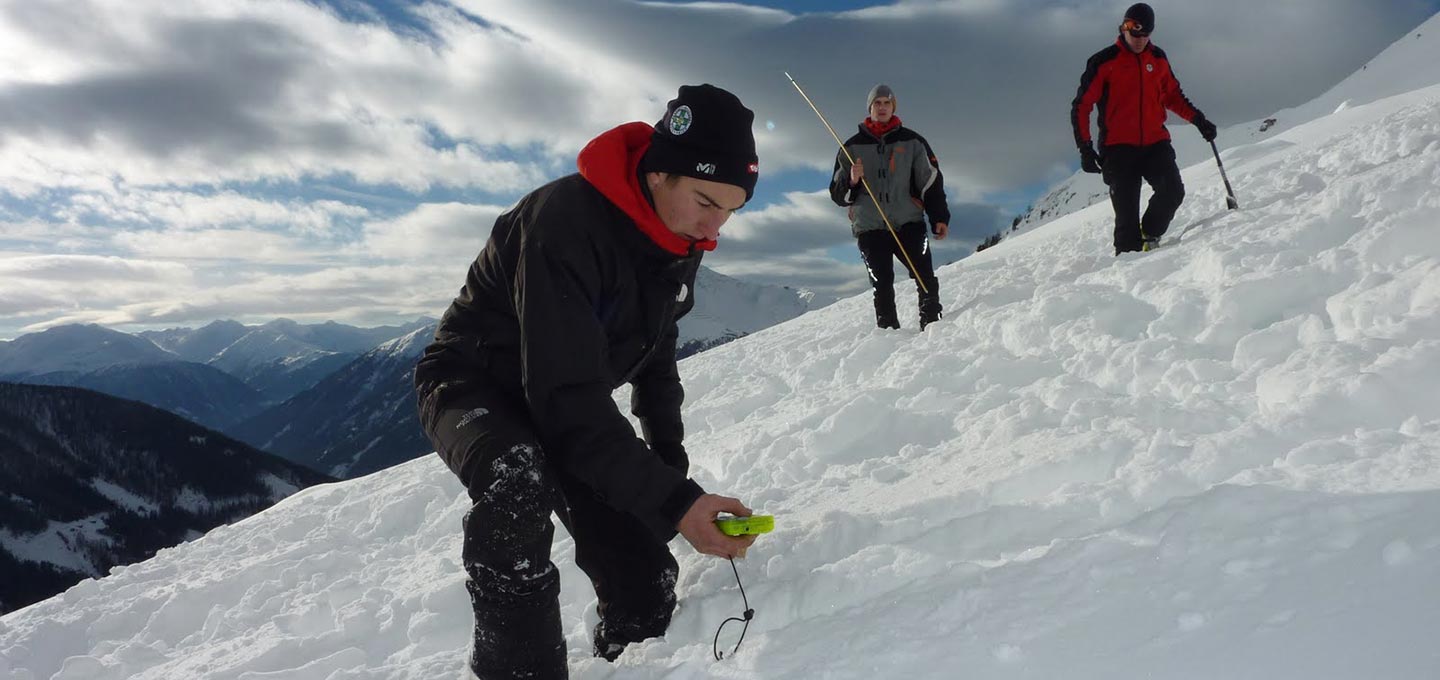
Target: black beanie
706 134
1143 15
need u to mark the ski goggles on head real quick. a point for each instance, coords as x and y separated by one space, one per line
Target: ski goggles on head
1134 28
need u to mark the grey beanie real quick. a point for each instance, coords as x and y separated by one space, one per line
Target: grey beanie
881 90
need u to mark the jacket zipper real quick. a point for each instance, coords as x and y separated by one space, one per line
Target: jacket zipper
1140 69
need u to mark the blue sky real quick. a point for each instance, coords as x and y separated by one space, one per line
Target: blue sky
167 164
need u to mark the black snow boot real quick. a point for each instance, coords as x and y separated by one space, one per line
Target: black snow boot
927 319
930 309
517 637
885 316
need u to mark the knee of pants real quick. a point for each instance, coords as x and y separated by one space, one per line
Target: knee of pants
508 529
1171 192
514 484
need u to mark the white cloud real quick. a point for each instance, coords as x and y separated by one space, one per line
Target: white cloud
151 130
235 246
191 211
449 233
988 83
803 221
210 92
34 286
382 293
89 269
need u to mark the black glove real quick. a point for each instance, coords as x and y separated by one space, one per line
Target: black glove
1206 128
1089 160
673 454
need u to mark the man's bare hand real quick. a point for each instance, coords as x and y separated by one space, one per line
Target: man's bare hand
941 231
698 526
857 172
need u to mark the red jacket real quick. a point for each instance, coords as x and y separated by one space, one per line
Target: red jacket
1133 91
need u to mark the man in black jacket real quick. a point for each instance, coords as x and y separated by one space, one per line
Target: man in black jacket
576 293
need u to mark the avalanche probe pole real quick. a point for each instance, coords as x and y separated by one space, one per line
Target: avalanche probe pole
898 244
1230 201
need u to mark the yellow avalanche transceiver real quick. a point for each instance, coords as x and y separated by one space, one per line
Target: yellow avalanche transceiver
739 526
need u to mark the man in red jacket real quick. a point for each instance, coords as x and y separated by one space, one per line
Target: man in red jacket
1134 86
576 293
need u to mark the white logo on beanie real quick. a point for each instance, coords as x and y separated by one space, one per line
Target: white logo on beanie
680 120
707 168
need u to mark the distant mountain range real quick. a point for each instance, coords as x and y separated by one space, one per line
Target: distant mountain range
204 394
75 350
362 418
278 359
332 397
91 481
218 375
358 420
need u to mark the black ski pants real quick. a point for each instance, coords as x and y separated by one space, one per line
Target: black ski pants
879 251
487 439
1124 167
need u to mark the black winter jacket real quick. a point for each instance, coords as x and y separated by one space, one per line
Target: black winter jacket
576 293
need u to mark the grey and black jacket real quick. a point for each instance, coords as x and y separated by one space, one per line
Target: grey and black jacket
902 171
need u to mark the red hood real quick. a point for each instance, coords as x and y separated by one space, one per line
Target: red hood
610 163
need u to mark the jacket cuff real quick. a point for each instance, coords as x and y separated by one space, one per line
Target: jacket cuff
675 506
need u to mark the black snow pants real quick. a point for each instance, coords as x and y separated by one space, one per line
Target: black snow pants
879 251
1124 167
487 439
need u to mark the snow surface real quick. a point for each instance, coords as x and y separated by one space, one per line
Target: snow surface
1220 459
124 497
58 544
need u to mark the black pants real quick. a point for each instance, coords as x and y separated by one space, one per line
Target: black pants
879 251
487 439
1125 166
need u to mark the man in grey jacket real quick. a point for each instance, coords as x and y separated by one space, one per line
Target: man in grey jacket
904 175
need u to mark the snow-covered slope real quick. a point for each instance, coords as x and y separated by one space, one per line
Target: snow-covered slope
1220 459
728 308
1408 64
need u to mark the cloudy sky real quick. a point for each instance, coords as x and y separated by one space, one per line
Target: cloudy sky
166 164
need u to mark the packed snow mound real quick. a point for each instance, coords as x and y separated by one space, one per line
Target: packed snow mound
1220 459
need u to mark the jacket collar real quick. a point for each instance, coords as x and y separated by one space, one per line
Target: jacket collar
1125 47
877 130
611 163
